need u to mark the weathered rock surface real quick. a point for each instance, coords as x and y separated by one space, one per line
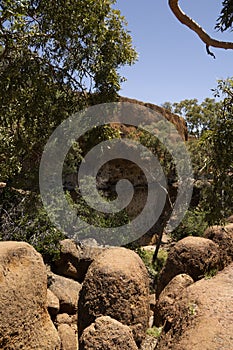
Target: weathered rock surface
116 285
230 219
194 256
107 334
24 319
202 316
176 120
68 336
67 330
75 259
53 303
149 343
168 296
67 319
152 301
223 237
66 290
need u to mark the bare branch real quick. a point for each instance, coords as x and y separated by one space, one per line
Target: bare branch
189 22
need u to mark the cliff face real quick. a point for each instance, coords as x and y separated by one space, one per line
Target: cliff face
117 169
178 121
120 168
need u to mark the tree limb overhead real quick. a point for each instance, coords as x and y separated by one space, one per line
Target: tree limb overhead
189 22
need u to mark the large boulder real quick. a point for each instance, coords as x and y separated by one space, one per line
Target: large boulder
116 285
75 259
194 256
107 334
202 316
167 298
24 319
223 237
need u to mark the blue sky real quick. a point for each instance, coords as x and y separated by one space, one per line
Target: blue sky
173 64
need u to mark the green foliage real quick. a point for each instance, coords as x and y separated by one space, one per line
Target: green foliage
97 219
85 143
211 273
23 218
161 259
218 149
155 145
55 59
53 55
225 20
192 309
147 257
154 331
199 117
193 224
211 151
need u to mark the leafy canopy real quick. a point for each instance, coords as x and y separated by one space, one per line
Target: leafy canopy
225 19
211 125
52 55
56 57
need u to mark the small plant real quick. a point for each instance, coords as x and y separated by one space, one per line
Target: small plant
211 273
154 331
193 224
192 309
23 218
161 259
147 257
152 268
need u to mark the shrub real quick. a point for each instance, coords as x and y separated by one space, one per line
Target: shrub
193 224
152 268
23 218
154 331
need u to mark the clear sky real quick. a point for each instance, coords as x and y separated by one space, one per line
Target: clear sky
173 64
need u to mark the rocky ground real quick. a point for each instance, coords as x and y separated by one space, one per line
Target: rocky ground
99 298
202 317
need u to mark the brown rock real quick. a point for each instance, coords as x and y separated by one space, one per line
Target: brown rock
223 237
75 259
65 318
168 296
176 120
149 343
24 319
116 285
230 219
152 301
66 290
194 256
68 336
52 303
117 168
107 334
202 316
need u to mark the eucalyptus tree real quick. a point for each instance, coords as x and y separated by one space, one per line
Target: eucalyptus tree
53 54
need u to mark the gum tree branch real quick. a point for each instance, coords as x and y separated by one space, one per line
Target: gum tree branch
190 23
